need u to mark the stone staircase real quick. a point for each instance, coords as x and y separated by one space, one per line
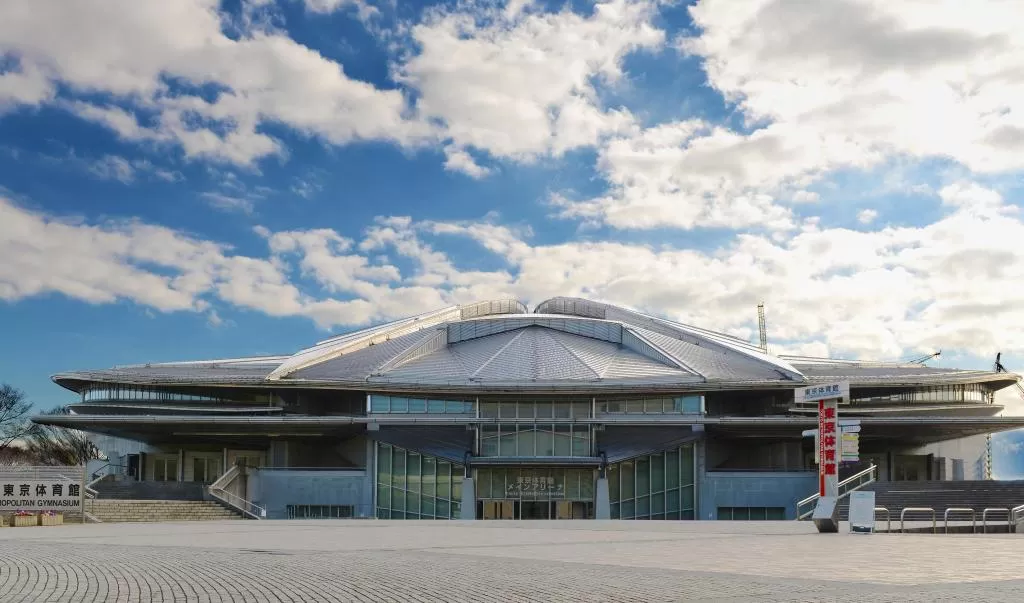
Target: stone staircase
942 495
122 510
111 488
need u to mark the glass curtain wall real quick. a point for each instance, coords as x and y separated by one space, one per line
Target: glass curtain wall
128 393
539 439
411 485
656 486
687 405
402 405
535 440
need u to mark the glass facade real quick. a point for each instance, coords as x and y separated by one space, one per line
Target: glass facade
971 392
535 440
411 485
751 513
656 486
402 405
536 409
524 483
133 394
687 405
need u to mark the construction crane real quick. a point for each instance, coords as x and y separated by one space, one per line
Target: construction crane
924 359
762 327
999 368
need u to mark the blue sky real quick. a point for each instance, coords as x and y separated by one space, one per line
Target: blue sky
200 179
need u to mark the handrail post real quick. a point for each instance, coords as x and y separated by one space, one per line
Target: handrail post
888 518
984 517
945 518
906 510
1014 517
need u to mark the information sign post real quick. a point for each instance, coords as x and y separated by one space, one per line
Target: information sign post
828 396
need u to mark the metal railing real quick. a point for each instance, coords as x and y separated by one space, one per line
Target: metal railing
984 517
1016 515
888 518
945 518
805 508
218 490
904 512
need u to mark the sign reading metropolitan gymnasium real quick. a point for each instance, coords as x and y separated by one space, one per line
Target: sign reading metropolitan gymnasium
39 495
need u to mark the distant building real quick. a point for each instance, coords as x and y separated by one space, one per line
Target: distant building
578 409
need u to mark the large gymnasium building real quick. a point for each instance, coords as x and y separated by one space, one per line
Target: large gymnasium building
577 409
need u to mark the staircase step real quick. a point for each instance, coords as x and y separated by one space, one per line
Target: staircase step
942 495
128 510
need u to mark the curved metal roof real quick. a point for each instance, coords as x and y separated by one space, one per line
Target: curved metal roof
566 344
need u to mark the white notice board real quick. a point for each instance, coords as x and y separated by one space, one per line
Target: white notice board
862 511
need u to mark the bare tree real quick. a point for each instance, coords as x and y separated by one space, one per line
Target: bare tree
14 409
53 445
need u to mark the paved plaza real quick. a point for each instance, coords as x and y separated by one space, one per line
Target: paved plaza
411 561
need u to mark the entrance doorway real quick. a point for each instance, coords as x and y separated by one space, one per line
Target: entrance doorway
534 509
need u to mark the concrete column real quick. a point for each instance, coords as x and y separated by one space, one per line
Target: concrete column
602 500
468 509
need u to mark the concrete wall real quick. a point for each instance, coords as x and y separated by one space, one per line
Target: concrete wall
275 489
971 450
754 489
748 488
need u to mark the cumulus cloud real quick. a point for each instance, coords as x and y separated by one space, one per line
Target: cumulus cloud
166 72
821 87
867 216
520 83
948 285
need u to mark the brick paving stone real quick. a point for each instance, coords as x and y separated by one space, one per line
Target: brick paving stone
479 562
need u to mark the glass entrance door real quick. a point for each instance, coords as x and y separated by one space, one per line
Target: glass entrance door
535 509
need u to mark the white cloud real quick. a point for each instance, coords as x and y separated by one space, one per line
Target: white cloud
458 160
152 58
228 203
951 285
364 10
689 174
915 77
822 87
867 216
124 170
520 83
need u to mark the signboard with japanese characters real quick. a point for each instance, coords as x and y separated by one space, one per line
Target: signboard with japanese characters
39 495
825 391
849 430
525 486
828 448
851 442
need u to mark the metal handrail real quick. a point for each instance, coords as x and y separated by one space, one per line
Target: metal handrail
226 478
870 471
218 489
1015 514
904 512
888 518
96 477
945 518
984 517
248 507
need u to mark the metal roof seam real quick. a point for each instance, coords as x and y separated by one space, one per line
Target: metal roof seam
672 358
575 355
496 354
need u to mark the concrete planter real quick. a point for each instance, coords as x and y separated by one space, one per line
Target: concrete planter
24 521
51 520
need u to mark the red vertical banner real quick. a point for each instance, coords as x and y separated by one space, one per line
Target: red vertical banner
821 448
828 448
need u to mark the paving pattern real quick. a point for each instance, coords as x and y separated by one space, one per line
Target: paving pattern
499 561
